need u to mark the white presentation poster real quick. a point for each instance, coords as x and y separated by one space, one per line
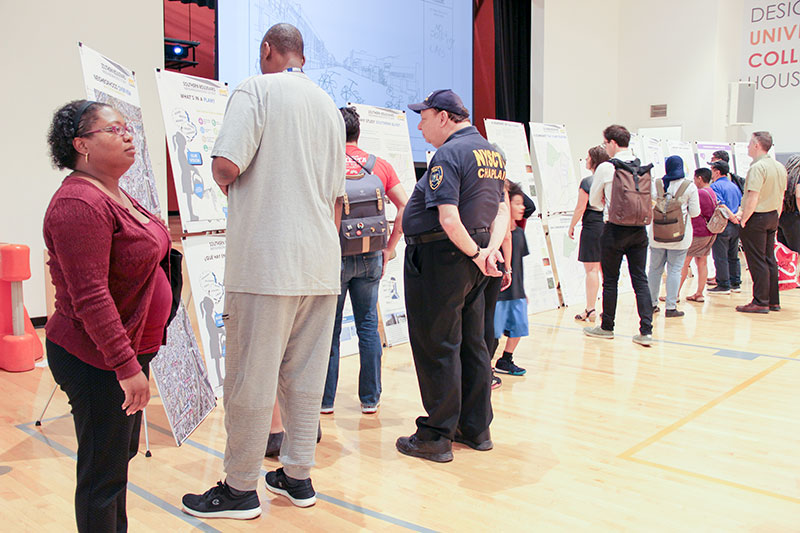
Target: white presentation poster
686 151
109 82
429 156
706 149
554 170
348 338
653 153
193 109
205 260
384 133
182 380
391 299
511 138
570 271
741 159
636 145
584 172
540 283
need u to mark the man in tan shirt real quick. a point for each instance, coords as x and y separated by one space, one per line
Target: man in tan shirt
761 208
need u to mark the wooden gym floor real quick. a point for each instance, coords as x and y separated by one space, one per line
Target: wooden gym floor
697 433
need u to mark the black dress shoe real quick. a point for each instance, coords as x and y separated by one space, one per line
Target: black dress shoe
775 307
752 308
440 451
481 446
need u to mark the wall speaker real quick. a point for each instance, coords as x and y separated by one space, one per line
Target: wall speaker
741 102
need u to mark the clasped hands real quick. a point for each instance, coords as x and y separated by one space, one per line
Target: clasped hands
487 261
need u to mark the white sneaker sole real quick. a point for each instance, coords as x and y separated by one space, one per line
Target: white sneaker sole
308 502
244 514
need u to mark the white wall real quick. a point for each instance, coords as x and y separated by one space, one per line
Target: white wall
42 71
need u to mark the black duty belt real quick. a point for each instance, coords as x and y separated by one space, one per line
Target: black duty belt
438 236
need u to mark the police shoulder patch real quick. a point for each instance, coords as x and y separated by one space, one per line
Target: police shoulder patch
435 177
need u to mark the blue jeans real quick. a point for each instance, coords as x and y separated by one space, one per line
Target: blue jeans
674 260
725 251
361 275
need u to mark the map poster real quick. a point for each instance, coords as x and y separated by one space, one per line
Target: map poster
570 271
540 283
110 83
391 299
557 183
686 151
653 153
193 109
182 380
511 138
205 260
705 150
384 133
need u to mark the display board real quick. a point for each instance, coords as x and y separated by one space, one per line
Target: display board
636 145
570 271
554 168
182 380
384 133
205 259
348 338
653 153
193 109
540 282
391 299
111 83
511 139
741 159
386 54
705 150
686 151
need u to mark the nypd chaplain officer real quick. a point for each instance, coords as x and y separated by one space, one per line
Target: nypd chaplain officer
454 223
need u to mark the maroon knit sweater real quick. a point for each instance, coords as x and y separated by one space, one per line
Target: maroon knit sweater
103 263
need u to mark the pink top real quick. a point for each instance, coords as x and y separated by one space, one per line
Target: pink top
107 268
708 201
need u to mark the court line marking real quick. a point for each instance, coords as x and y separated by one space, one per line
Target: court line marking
629 453
725 352
199 524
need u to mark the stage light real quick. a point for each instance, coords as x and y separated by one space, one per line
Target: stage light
176 53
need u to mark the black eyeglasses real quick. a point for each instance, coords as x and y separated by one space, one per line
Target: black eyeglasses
116 129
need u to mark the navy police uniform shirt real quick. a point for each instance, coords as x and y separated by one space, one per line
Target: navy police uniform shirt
467 172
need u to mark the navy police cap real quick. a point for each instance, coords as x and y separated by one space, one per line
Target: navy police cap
444 99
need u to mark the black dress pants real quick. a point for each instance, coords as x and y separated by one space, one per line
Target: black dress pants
490 296
630 242
107 439
758 243
444 293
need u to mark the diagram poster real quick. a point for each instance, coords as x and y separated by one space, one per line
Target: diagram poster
384 133
741 159
653 153
570 271
511 138
540 283
391 299
205 260
109 82
554 169
182 379
636 146
706 149
686 151
193 109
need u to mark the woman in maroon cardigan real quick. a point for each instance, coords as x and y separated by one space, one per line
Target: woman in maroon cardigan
109 261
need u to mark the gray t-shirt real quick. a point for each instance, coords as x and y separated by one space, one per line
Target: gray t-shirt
287 138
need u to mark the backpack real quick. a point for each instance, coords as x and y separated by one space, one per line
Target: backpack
719 219
669 222
630 204
364 228
738 181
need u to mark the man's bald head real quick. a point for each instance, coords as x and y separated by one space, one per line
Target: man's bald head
285 39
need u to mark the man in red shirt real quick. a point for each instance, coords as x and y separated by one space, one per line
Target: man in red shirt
361 276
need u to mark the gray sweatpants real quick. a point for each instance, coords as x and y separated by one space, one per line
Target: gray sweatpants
274 343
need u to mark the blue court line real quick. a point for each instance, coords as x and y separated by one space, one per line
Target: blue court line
150 497
724 352
324 497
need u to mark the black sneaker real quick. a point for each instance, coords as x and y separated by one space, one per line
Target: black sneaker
219 502
719 290
673 313
440 451
299 491
496 382
481 446
507 366
274 444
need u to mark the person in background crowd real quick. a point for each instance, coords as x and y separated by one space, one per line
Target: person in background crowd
109 262
725 249
672 254
722 155
761 209
591 217
280 156
702 239
789 222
